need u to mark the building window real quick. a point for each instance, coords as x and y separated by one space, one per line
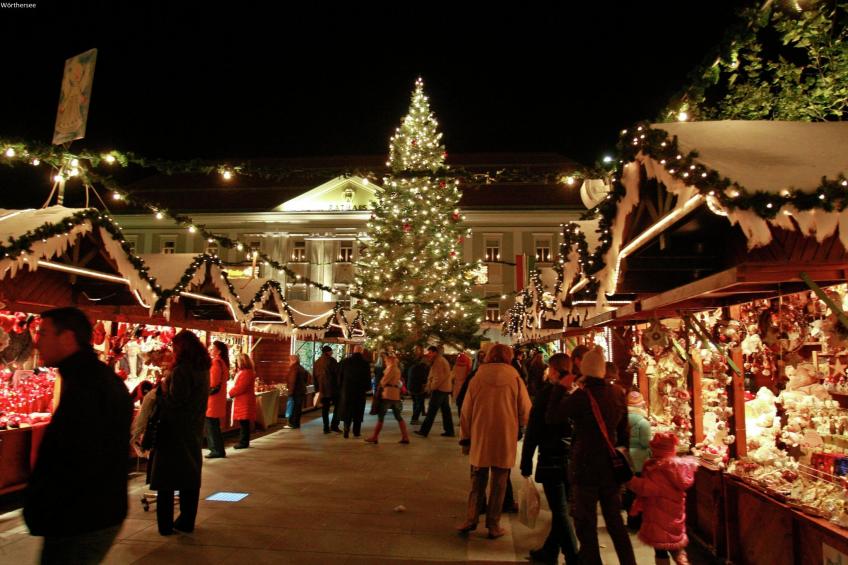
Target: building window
299 252
296 292
132 243
493 312
168 246
493 250
345 251
254 247
543 249
212 248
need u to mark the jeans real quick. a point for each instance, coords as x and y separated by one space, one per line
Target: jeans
325 413
87 548
214 439
296 410
477 497
188 510
584 510
417 406
438 401
244 433
562 529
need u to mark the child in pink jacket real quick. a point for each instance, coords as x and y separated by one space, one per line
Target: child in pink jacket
661 497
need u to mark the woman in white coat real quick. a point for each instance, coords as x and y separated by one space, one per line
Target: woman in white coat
496 405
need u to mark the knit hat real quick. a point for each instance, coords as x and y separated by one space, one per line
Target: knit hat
663 444
593 363
635 399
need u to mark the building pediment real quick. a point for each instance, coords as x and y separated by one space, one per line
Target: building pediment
341 193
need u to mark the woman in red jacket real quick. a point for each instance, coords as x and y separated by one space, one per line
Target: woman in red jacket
244 398
216 406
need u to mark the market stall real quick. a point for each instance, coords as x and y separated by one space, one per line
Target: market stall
725 233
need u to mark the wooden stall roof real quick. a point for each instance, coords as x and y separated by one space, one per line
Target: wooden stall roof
742 283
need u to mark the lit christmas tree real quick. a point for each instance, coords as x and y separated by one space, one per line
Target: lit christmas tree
413 255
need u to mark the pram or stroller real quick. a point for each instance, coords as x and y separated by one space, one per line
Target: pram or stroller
148 499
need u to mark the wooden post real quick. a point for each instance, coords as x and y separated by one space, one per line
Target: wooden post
642 378
694 378
736 398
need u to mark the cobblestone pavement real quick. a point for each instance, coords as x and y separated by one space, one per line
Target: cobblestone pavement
316 498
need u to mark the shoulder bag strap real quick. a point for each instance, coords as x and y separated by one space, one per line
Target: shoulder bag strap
599 419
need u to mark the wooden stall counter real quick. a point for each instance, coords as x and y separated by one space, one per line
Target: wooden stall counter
763 530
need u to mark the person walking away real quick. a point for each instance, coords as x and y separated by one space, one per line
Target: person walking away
355 376
416 383
76 497
439 385
243 394
553 443
461 370
590 465
640 439
495 406
216 411
176 462
324 370
297 379
390 399
535 373
661 498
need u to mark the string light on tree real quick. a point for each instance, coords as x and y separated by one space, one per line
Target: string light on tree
416 217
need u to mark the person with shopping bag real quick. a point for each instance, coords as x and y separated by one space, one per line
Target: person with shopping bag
553 443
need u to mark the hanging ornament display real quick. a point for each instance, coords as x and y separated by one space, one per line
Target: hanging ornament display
655 339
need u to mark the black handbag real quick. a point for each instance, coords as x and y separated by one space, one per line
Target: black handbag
622 471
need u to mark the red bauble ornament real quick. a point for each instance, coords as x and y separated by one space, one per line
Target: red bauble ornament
407 228
455 216
460 239
453 253
442 184
414 142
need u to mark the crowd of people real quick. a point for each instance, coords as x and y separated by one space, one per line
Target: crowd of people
571 410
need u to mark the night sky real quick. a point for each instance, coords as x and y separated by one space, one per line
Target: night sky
243 81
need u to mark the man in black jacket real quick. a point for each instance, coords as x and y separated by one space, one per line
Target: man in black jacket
416 380
355 378
77 495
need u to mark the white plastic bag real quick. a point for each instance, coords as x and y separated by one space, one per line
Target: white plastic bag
528 503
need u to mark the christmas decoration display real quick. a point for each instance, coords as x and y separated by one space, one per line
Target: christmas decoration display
26 397
410 275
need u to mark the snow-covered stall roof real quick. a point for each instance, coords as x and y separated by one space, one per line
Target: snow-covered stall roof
766 156
756 173
51 231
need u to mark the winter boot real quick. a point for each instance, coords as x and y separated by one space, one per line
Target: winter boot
376 434
404 433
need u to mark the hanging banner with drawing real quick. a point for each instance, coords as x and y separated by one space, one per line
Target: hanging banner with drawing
74 97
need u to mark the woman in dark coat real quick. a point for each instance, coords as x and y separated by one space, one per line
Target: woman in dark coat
355 377
176 461
553 443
